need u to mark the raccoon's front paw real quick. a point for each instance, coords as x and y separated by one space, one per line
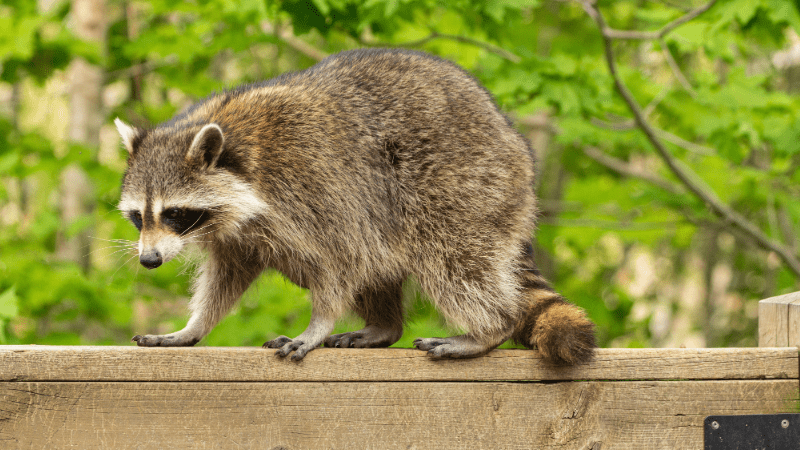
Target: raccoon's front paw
278 342
167 340
287 345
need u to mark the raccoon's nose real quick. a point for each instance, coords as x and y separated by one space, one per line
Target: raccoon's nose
151 259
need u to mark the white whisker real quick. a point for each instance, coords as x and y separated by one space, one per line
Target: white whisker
123 265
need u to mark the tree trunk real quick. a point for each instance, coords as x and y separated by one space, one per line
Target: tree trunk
86 118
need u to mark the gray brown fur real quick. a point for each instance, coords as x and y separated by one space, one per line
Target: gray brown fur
349 177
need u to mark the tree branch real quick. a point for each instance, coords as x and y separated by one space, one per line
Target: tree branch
684 175
676 69
286 34
674 139
662 94
623 168
653 35
142 68
675 5
612 225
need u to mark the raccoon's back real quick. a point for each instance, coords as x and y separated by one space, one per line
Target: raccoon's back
428 120
394 141
370 98
440 132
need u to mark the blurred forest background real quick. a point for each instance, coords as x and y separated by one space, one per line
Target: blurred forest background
668 135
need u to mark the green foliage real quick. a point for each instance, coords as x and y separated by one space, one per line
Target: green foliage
546 58
33 44
8 310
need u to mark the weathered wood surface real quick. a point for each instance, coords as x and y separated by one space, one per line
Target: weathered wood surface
376 415
130 397
779 321
52 363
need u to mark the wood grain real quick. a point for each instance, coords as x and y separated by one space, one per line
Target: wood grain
53 363
776 326
369 415
794 321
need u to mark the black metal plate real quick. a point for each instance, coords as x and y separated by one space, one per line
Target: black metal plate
753 432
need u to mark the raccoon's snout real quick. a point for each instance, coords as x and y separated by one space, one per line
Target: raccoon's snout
151 259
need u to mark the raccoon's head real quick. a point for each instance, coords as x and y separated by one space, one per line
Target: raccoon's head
175 190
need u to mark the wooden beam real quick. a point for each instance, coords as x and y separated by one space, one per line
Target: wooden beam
376 415
779 321
130 397
56 363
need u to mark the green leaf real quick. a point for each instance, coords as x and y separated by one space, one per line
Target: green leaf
8 303
741 11
784 12
9 161
390 7
563 95
307 15
496 9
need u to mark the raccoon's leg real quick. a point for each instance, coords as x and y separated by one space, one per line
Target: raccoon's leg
323 318
382 310
468 345
482 300
219 286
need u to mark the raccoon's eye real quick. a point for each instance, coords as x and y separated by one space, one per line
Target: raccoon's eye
183 220
136 218
173 213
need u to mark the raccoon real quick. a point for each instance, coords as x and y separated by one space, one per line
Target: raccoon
349 177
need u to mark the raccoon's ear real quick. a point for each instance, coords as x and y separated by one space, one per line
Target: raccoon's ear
206 145
128 133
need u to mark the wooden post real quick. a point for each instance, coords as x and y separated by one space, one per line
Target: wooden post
779 321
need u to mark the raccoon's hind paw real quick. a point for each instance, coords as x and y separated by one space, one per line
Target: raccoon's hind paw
168 340
462 346
367 337
287 345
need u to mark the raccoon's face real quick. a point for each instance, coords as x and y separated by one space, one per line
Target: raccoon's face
174 193
164 231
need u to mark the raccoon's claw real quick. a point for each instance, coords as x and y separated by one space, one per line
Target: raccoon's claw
344 340
301 352
288 348
437 348
278 342
168 340
297 347
286 345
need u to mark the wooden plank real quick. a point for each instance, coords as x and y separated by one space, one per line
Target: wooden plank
794 322
579 415
53 363
774 321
